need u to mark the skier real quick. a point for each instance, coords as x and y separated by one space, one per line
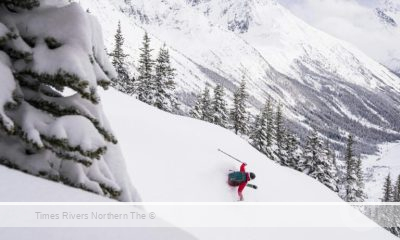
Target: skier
241 179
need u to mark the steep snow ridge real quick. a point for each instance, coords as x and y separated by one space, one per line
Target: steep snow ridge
189 167
175 159
310 72
392 9
372 26
275 31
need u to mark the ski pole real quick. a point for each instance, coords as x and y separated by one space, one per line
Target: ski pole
252 186
229 155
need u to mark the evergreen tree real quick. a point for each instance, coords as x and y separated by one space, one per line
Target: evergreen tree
353 185
239 111
144 85
318 163
311 156
164 97
292 151
45 133
206 105
270 125
388 190
389 215
219 107
329 161
202 109
258 135
123 82
196 111
397 190
279 133
360 180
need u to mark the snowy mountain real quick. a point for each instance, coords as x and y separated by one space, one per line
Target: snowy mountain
322 81
372 26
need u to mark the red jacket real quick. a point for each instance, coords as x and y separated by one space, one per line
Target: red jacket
244 184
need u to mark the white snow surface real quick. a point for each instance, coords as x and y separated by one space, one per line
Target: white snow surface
173 158
20 187
17 186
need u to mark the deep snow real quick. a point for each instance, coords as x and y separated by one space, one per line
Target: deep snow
17 186
174 158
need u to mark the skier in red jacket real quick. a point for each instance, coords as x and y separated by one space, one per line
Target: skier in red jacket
243 182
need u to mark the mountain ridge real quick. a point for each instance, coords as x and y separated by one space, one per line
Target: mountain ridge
323 82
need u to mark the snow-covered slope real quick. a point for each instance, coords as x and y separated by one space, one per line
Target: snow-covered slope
17 186
322 81
174 158
20 187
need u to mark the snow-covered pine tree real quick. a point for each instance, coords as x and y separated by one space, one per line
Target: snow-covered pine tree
270 126
328 159
164 97
258 133
144 85
292 151
42 132
354 191
202 109
206 105
123 82
388 190
279 130
389 215
310 161
238 114
317 162
220 114
196 111
397 190
360 180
